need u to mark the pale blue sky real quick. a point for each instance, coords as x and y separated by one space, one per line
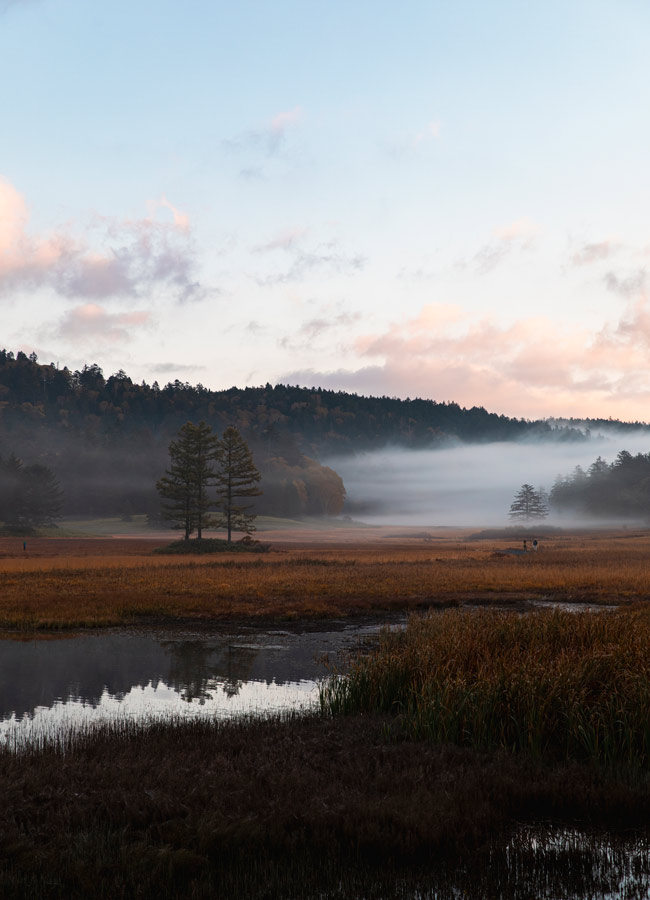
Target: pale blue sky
437 199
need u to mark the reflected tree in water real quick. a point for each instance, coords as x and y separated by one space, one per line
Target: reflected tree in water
197 668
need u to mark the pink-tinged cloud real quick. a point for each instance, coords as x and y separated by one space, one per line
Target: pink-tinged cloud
109 259
93 321
431 131
181 219
283 120
594 252
513 237
268 139
519 230
532 367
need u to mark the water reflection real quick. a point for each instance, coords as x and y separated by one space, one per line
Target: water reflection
47 685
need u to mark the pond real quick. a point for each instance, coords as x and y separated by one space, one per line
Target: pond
50 685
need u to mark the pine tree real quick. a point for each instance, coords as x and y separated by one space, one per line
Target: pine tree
528 504
29 495
42 497
184 487
11 490
237 478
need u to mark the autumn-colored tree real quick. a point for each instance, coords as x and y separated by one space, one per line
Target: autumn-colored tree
237 479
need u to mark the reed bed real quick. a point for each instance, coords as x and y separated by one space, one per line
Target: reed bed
303 807
554 684
94 591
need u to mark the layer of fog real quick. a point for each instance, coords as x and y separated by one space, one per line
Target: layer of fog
469 484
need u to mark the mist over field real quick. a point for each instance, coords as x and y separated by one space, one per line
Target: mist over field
467 484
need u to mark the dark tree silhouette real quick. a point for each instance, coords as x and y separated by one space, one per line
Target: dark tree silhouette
184 487
42 496
528 504
30 496
237 479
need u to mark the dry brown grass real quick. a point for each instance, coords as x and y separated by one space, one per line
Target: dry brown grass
304 808
552 683
78 583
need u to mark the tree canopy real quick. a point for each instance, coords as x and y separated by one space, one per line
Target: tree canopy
237 479
617 490
184 488
30 495
528 505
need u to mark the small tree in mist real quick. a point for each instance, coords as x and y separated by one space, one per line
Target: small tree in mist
237 479
528 504
184 487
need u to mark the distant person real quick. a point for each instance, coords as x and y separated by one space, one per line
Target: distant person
24 545
525 546
535 544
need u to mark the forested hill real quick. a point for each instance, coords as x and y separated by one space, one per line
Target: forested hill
323 422
107 438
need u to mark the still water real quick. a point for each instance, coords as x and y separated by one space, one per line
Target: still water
51 685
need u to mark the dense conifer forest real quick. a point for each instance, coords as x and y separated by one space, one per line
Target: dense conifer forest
618 490
106 438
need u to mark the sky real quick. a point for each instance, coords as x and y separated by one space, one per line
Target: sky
424 199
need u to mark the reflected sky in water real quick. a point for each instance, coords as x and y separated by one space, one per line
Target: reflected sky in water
52 685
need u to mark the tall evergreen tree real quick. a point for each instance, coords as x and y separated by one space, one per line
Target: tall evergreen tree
528 504
29 495
184 487
11 489
237 478
42 497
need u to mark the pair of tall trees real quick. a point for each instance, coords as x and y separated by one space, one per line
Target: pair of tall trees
200 460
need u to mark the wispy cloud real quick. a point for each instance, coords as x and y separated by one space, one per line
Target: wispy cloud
93 321
594 252
431 132
268 139
626 286
106 259
326 259
164 368
314 328
328 321
284 240
181 219
530 367
516 236
409 144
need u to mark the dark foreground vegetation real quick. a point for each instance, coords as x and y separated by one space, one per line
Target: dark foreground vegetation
555 685
304 807
477 754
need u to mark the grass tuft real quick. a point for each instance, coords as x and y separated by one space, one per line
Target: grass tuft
556 685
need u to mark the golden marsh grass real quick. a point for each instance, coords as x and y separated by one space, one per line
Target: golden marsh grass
69 583
554 684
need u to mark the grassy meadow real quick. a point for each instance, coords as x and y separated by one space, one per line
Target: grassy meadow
481 752
95 582
553 684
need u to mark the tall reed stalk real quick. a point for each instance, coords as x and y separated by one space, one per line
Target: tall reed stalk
555 684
